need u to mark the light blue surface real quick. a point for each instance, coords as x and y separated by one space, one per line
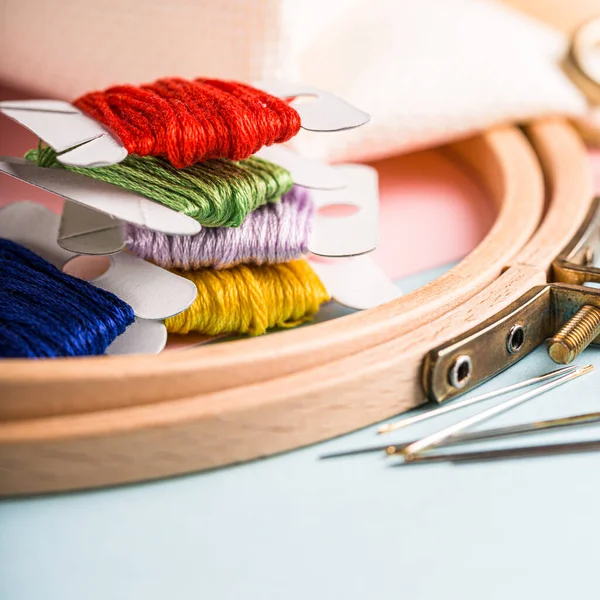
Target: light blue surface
292 527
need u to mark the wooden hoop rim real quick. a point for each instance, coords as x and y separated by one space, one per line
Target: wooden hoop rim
501 159
289 409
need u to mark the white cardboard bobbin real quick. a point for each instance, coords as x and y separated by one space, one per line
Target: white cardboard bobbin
351 235
100 196
153 293
82 141
356 282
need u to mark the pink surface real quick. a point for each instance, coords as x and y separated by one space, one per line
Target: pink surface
431 212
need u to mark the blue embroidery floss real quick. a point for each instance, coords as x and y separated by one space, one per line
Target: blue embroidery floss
47 313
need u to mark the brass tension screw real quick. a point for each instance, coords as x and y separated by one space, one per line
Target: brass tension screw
575 335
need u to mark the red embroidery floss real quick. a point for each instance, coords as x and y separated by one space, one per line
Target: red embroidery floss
191 121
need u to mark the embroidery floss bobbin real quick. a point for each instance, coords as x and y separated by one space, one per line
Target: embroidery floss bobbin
191 121
273 233
250 299
45 312
217 193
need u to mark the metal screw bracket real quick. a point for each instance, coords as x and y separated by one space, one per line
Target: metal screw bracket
541 312
566 312
575 335
575 263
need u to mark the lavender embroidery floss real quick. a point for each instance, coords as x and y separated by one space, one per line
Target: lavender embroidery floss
272 233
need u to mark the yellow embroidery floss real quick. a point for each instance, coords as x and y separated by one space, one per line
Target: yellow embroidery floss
250 299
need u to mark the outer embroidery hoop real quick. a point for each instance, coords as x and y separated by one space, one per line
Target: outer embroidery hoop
81 423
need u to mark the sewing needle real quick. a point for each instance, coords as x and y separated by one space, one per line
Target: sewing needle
503 453
486 434
469 401
437 438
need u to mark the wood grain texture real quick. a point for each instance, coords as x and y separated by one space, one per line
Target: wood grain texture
508 168
569 190
210 430
286 408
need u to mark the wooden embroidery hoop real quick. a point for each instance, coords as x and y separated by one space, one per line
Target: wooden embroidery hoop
81 423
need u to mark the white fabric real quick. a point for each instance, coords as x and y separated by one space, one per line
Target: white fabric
428 71
434 70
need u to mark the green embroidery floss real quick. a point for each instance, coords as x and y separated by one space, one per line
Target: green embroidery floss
216 193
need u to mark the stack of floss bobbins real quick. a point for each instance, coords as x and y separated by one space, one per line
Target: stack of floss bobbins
190 145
